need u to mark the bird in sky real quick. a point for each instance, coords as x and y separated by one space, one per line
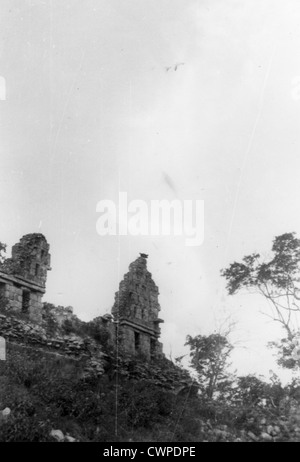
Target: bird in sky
175 67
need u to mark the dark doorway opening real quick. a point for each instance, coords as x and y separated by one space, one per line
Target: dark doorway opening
137 341
25 301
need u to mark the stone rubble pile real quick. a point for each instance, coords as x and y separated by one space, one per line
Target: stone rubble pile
59 437
162 373
24 332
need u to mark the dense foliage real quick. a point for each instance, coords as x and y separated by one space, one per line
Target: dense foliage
209 358
45 393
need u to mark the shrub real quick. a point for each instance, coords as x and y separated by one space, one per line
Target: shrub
24 428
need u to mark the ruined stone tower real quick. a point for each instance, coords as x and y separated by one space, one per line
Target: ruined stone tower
136 311
23 276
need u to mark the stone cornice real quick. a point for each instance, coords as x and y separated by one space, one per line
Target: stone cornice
138 326
4 277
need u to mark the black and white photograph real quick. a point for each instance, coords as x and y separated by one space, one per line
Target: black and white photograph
150 223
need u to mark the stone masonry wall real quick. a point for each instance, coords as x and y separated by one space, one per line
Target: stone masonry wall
31 259
27 322
24 332
136 308
14 297
28 335
137 297
23 275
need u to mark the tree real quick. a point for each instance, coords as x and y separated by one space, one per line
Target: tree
250 389
209 357
2 251
276 279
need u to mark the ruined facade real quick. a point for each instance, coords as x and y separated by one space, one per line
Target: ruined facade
23 276
136 310
134 322
55 332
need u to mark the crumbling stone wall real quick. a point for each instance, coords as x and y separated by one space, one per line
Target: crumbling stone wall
14 294
29 335
24 332
136 310
29 323
23 276
30 258
161 372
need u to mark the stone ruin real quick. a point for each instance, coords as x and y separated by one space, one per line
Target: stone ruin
132 330
23 276
134 320
136 311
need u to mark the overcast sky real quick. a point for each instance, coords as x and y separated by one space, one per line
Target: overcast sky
92 109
